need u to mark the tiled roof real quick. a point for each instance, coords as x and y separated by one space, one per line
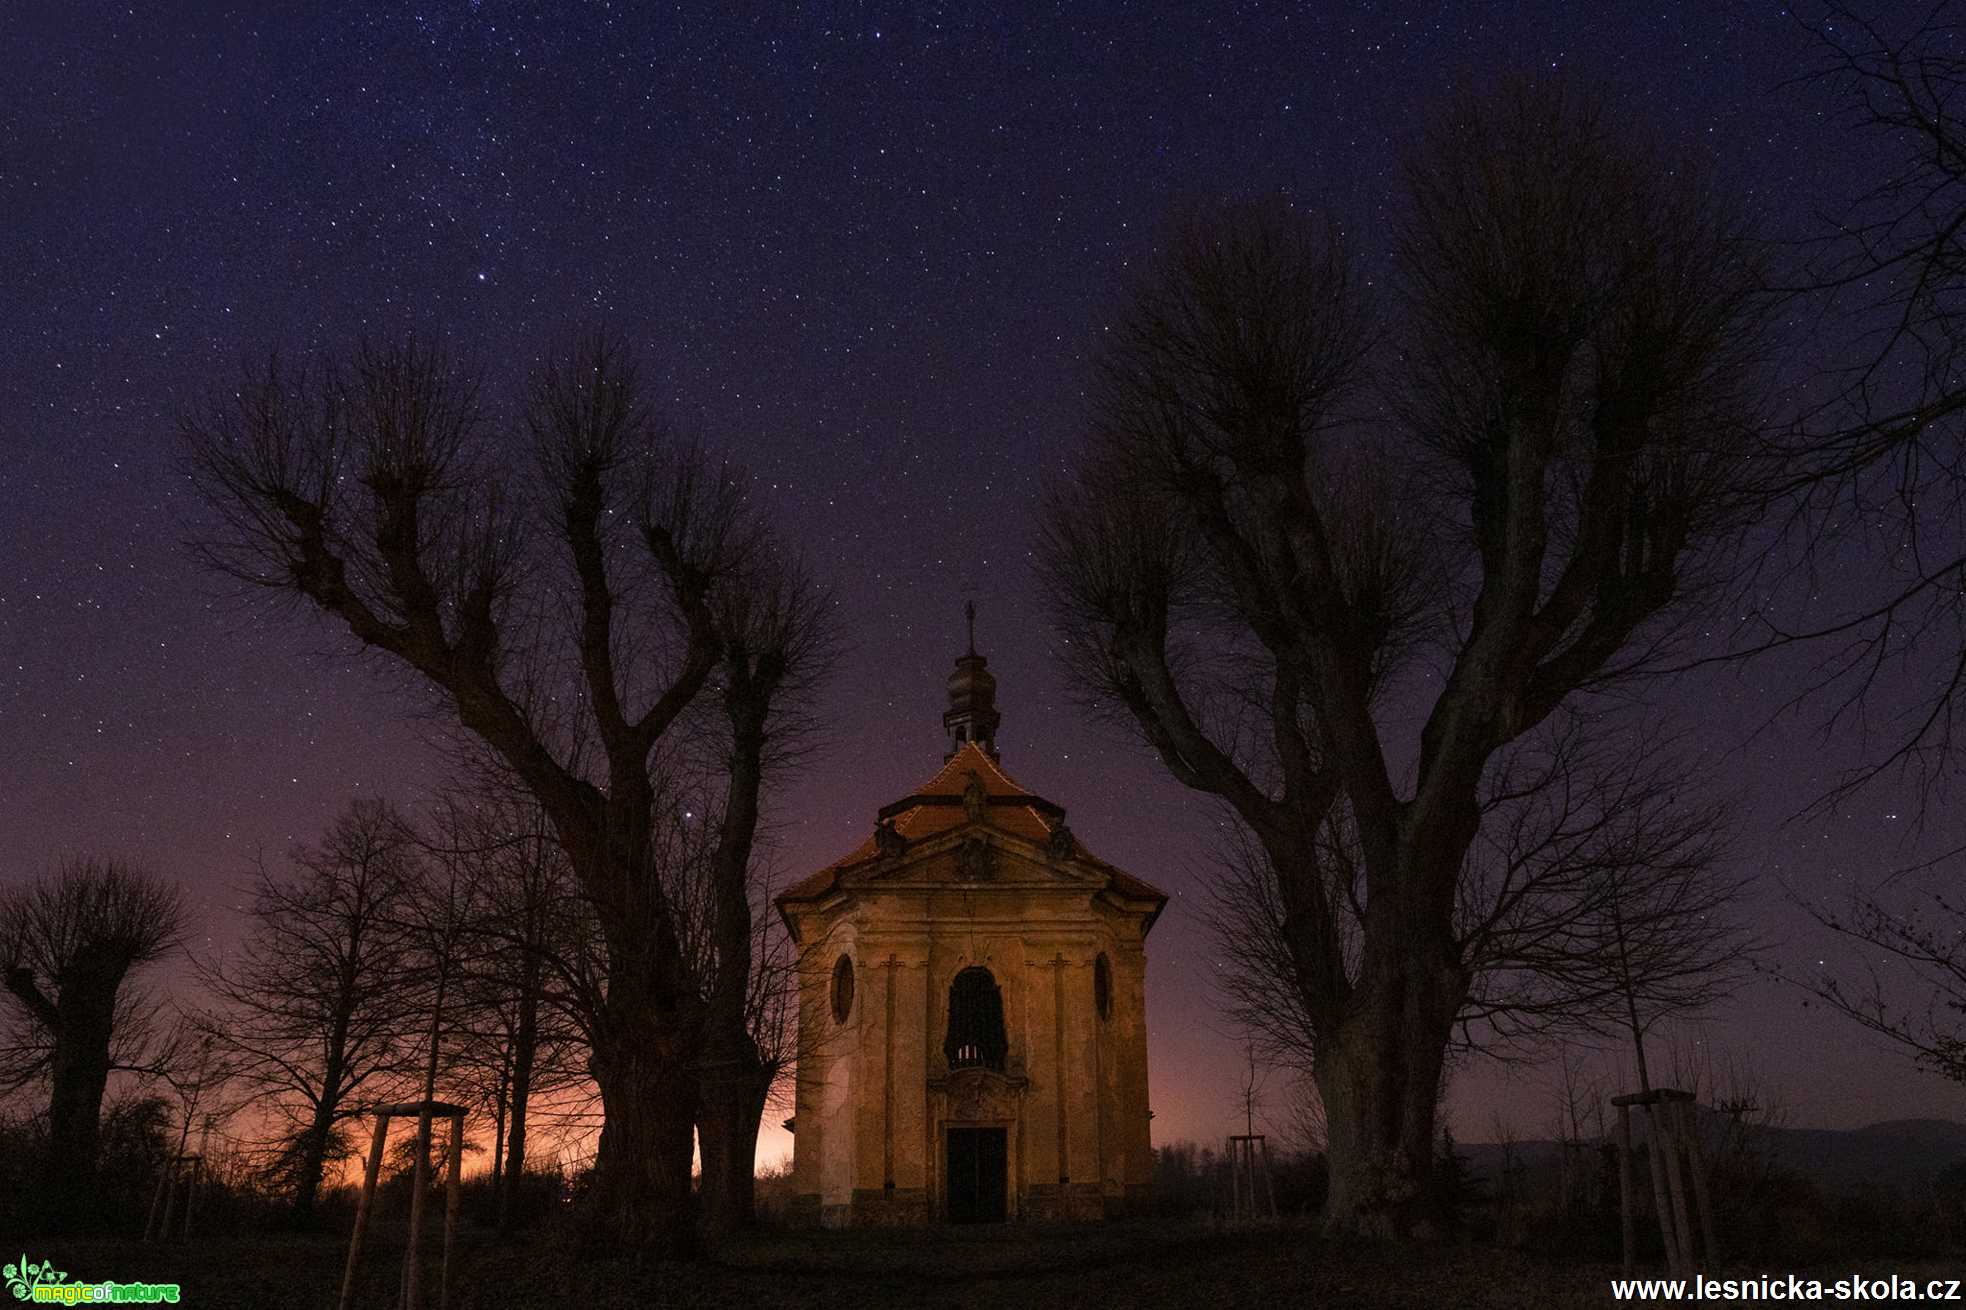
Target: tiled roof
953 777
936 806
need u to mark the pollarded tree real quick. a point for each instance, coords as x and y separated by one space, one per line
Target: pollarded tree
69 944
1271 578
567 614
315 1015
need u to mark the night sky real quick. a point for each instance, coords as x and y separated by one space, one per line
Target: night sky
862 248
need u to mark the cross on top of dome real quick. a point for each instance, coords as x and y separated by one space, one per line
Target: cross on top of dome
972 716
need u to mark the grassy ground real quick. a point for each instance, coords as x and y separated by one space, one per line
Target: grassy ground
1147 1264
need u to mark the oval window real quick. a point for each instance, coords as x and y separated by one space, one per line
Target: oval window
842 989
1102 987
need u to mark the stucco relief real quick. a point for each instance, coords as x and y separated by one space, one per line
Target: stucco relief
980 1096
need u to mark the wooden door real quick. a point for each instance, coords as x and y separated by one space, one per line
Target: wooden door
978 1175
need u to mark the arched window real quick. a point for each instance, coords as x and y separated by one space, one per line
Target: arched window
1102 986
976 1038
842 989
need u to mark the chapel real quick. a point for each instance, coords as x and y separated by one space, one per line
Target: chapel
973 1010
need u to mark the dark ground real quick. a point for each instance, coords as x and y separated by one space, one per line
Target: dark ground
1148 1264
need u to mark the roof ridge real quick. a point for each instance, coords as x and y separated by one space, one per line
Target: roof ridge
950 767
932 811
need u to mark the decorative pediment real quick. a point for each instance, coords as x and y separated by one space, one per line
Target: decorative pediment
972 857
969 826
979 1094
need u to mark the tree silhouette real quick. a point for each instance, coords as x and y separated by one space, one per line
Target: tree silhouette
572 614
315 1011
1252 562
69 944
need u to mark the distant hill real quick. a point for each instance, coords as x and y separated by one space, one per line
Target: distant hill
1898 1154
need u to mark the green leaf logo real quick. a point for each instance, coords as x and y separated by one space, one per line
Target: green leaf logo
24 1277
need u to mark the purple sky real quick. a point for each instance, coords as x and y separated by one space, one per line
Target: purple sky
862 247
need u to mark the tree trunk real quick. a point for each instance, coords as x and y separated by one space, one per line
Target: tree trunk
313 1160
733 1095
327 1107
647 1033
644 1062
500 1101
80 1074
734 1078
1381 1047
1379 1076
525 1046
314 1143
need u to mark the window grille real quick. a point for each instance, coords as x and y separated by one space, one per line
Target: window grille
976 1036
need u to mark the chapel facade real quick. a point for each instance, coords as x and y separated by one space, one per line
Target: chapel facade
973 1027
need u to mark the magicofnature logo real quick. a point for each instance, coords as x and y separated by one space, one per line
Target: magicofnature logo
44 1284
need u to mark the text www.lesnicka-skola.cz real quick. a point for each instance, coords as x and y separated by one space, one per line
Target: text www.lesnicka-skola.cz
1787 1287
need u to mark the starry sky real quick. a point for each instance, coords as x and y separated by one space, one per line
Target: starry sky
862 247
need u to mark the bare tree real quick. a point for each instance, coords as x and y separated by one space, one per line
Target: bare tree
1600 897
1595 890
69 945
314 1012
1300 1124
1877 471
528 931
777 638
538 982
774 1003
440 910
1249 1088
1579 1133
1915 948
1876 467
1247 577
376 493
780 640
